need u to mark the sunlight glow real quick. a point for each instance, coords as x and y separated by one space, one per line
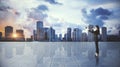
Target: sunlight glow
14 35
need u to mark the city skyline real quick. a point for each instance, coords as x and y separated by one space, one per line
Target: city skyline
60 14
66 30
48 34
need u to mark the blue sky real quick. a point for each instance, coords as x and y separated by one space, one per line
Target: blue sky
60 14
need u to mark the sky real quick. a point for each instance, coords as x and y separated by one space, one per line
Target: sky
60 14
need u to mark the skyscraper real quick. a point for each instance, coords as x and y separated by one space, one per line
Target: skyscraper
90 35
84 37
65 37
39 24
51 34
104 34
20 35
76 34
8 32
45 34
60 37
68 34
40 31
56 37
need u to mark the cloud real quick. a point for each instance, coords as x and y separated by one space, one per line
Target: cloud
98 2
42 7
7 13
96 16
101 11
35 15
38 13
103 17
52 2
113 26
4 6
3 10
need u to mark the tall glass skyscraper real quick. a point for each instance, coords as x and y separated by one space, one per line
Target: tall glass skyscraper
68 34
51 34
76 34
39 24
84 37
40 31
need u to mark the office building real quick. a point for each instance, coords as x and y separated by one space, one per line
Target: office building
90 35
65 37
46 34
84 37
51 34
40 31
60 37
40 34
76 34
68 34
20 35
39 24
104 34
56 37
8 32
